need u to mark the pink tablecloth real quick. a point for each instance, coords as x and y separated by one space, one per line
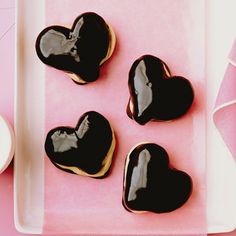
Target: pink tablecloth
6 109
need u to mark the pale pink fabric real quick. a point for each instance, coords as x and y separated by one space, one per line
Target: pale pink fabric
172 30
225 108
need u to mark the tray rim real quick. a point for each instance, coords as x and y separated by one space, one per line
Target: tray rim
20 225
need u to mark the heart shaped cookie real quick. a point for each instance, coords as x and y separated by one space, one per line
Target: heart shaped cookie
86 149
79 51
151 184
155 94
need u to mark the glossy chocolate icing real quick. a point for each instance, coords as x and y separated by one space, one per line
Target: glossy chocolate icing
78 50
151 184
154 94
84 146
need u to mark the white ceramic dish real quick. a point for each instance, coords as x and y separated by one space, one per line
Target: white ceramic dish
7 141
29 125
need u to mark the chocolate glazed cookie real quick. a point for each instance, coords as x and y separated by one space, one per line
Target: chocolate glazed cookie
151 183
79 51
155 94
86 149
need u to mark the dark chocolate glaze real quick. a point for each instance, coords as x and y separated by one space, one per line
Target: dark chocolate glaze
156 95
78 50
84 146
151 184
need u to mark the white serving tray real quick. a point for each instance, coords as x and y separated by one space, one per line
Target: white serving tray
29 125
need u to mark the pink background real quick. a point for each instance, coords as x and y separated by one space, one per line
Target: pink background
6 109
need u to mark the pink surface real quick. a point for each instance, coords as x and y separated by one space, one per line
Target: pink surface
6 109
83 205
7 58
225 108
